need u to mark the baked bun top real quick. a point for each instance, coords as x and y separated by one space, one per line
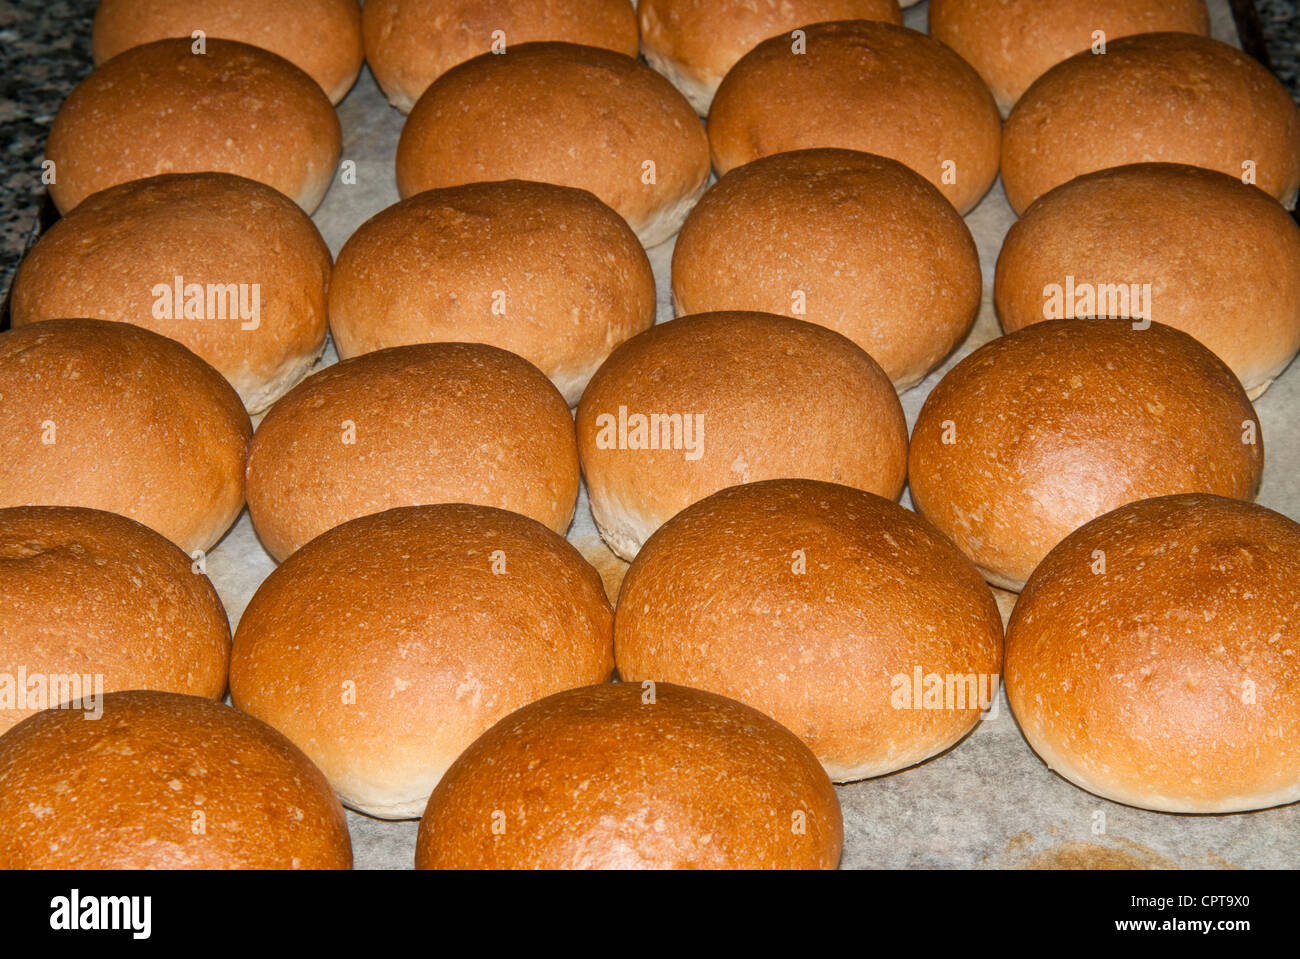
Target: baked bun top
1154 659
544 271
718 399
413 425
71 585
695 42
387 645
577 116
1040 431
1180 229
632 776
163 781
808 601
111 416
867 86
1093 112
162 108
1012 43
227 266
855 242
410 43
320 37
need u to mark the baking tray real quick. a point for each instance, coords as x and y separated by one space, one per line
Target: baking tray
988 802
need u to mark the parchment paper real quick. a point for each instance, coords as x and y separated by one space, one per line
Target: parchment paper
989 801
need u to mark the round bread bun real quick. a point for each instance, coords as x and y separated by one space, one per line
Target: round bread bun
1154 657
823 606
320 37
1181 229
868 86
414 425
715 400
695 42
163 781
410 43
1158 97
1043 430
227 266
847 240
622 776
1012 43
112 416
388 645
544 271
161 108
572 115
72 621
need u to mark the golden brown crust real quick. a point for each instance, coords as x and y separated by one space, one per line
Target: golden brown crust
320 37
163 781
544 271
764 397
161 108
97 596
607 778
863 86
386 646
1041 431
695 42
851 241
1011 43
1181 229
567 114
410 43
1159 97
109 257
1170 680
808 601
413 425
111 416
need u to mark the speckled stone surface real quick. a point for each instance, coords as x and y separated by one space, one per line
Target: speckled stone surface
45 51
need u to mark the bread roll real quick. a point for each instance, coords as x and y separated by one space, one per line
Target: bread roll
226 266
1012 43
92 602
621 776
695 42
1040 431
1165 97
827 608
111 416
847 240
414 425
863 86
320 37
544 271
566 114
710 401
163 781
1180 229
410 43
162 108
1153 658
386 646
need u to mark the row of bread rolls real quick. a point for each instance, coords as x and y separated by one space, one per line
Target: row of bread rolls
738 580
560 99
847 240
764 638
596 119
335 454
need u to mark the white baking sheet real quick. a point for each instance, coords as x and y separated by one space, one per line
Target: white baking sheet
989 802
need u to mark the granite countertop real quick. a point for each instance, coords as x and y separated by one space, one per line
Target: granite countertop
45 52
